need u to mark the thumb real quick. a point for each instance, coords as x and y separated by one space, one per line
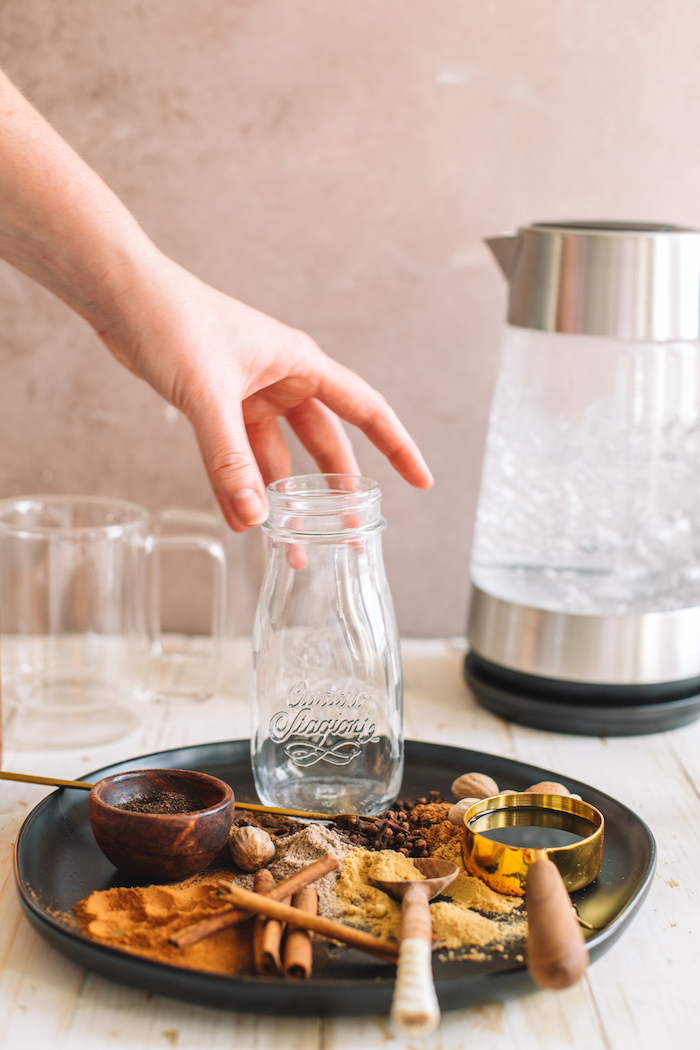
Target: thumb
231 465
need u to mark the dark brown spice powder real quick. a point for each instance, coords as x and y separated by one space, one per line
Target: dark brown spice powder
162 802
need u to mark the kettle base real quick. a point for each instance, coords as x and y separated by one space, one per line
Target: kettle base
581 708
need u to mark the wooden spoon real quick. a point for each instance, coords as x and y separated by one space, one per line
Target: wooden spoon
557 956
415 1008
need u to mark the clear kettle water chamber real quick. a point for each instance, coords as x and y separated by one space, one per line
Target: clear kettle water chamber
585 613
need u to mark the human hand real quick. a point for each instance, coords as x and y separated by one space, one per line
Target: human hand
233 371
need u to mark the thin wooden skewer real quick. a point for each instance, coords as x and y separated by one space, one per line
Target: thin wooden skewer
26 778
255 902
254 807
285 888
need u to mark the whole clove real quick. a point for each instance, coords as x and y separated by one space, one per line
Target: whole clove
396 829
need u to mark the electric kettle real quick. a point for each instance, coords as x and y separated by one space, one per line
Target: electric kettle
585 612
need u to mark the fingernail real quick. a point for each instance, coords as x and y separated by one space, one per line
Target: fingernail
249 507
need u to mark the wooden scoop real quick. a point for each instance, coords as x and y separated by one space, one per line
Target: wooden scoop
415 1008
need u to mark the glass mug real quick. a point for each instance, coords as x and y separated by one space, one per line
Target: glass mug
326 685
245 563
80 618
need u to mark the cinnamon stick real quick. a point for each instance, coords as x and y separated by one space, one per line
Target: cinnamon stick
298 950
266 905
286 888
272 943
267 933
263 882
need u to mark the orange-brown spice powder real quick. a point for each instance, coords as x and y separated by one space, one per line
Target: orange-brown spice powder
141 919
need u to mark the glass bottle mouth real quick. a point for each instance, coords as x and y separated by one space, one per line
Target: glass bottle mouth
323 504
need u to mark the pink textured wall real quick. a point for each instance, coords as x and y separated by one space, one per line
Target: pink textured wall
337 163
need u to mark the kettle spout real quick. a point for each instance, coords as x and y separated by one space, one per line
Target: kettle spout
503 248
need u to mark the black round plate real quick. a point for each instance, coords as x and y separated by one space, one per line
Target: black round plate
565 714
57 863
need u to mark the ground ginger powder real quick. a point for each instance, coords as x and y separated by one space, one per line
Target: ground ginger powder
457 923
471 892
392 867
361 903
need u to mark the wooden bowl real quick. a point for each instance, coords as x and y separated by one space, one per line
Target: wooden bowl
161 847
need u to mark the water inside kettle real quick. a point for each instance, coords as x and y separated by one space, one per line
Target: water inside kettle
590 501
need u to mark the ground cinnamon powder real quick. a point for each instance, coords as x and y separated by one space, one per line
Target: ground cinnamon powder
427 813
140 920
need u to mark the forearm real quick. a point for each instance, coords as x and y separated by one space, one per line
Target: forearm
59 223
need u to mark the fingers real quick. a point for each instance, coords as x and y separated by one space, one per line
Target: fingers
360 404
270 449
323 436
230 463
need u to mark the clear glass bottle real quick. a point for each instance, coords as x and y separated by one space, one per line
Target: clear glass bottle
326 684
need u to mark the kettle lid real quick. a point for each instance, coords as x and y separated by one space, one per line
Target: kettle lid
626 280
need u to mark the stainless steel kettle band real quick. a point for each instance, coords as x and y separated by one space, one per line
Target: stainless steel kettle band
612 650
637 281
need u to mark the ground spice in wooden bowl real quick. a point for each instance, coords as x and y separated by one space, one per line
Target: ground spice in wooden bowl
162 802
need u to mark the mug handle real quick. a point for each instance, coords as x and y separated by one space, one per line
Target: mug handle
155 544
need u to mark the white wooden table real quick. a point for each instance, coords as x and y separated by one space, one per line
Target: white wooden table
642 993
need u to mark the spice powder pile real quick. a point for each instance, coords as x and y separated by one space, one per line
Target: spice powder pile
297 851
457 922
140 920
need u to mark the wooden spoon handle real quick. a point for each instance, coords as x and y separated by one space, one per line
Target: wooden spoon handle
556 953
415 1008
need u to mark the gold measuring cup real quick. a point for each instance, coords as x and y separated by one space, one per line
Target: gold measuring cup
524 863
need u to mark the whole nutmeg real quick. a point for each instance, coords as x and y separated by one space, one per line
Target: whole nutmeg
251 848
456 814
474 785
547 787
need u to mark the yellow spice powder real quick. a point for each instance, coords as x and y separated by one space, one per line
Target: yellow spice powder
392 867
456 927
456 924
361 903
472 892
